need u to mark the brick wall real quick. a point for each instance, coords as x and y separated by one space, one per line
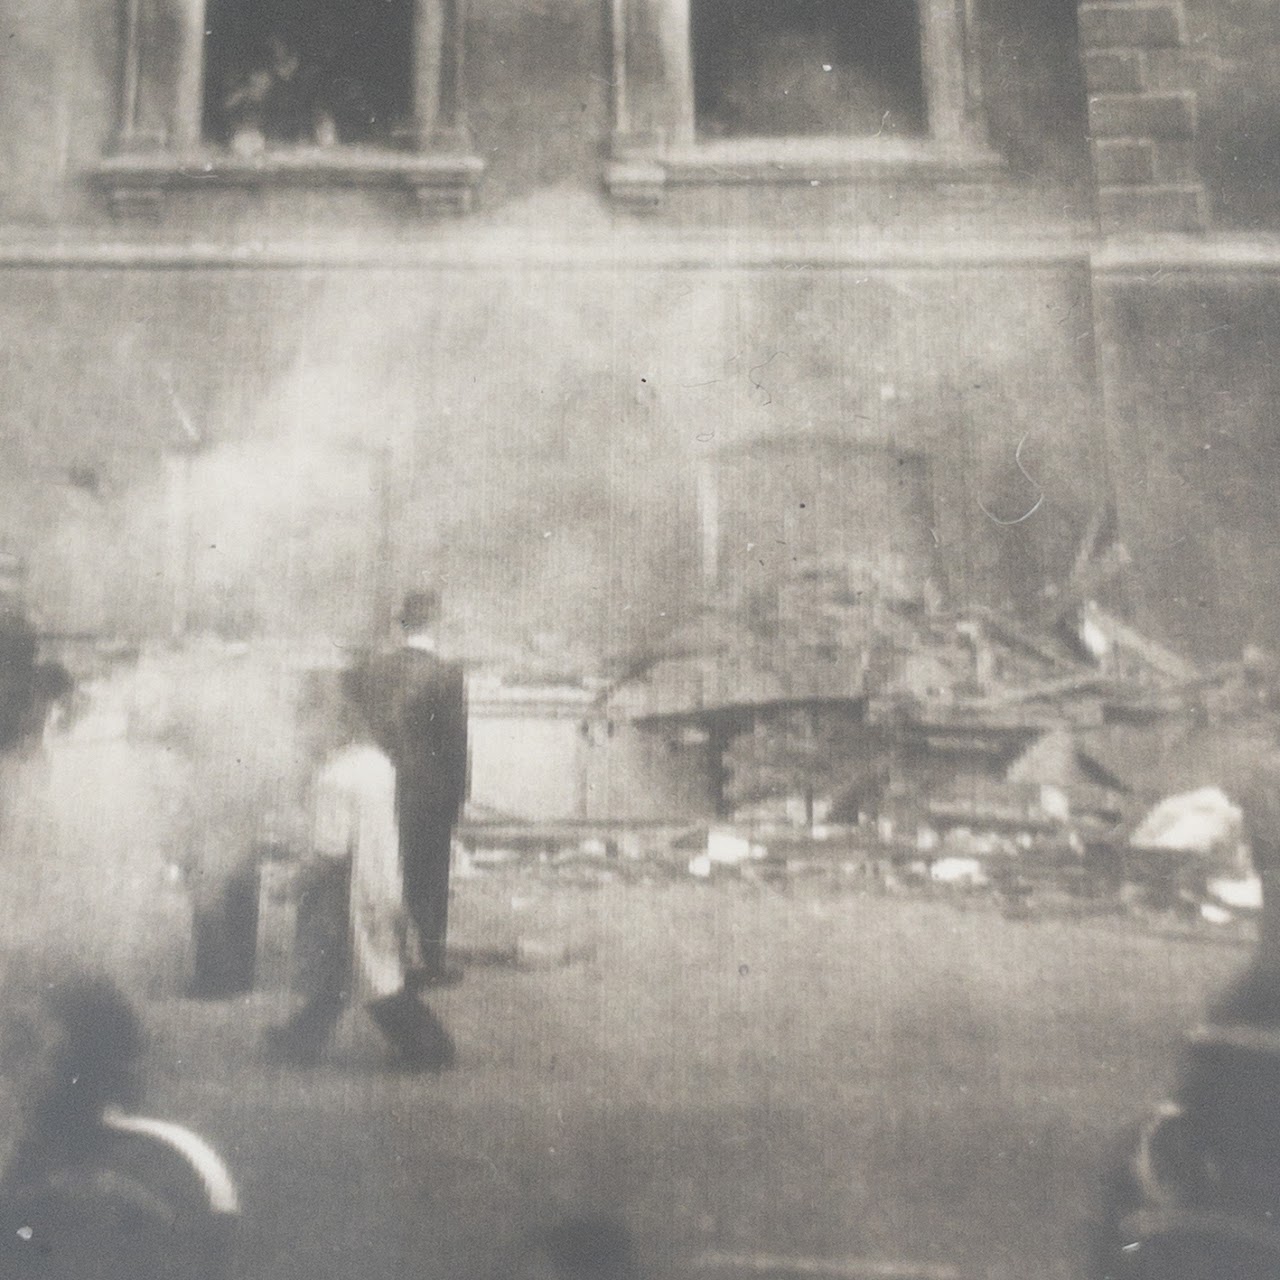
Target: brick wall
1142 116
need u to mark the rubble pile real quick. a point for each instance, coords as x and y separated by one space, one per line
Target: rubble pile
866 730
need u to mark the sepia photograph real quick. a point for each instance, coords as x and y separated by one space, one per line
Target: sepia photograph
640 640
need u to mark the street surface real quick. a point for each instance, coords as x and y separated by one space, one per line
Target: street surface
728 1069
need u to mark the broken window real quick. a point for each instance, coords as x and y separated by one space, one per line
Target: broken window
307 72
730 91
807 68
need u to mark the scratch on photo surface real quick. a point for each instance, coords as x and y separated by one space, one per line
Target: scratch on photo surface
755 382
1035 506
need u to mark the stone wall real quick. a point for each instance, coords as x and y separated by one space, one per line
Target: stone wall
533 437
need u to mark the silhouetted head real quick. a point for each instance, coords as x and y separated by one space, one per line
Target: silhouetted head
68 1050
420 610
330 713
100 1040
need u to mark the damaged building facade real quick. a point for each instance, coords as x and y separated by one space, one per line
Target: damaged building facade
600 314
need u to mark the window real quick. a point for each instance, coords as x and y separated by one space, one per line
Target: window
810 90
812 67
254 92
318 72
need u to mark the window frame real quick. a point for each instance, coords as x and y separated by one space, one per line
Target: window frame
655 140
159 145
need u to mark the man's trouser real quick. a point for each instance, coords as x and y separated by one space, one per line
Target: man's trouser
425 841
324 955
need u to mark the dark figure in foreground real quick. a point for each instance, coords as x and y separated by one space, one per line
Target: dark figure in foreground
89 1190
1197 1189
1196 1192
417 704
354 937
27 687
17 668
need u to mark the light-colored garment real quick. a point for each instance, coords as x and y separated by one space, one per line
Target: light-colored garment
355 817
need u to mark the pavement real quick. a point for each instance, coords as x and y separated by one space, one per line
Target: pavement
753 1081
751 1084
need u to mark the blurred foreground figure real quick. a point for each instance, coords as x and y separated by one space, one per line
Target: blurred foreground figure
91 1191
1196 1195
17 654
354 934
417 705
28 689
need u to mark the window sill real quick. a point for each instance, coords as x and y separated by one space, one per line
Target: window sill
639 174
441 182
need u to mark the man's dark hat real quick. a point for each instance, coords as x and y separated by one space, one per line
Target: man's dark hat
420 609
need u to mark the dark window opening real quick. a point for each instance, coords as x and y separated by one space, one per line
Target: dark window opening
307 72
807 68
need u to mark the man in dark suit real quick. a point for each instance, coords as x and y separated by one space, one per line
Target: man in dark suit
417 705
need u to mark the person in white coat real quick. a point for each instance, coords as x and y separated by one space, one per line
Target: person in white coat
355 938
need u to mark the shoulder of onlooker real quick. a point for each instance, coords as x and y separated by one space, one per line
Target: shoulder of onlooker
133 1209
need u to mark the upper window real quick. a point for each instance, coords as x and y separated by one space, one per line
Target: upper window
811 67
364 92
307 72
747 90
